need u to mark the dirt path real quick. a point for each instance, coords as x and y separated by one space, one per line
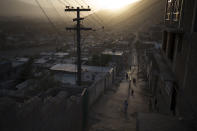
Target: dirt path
108 115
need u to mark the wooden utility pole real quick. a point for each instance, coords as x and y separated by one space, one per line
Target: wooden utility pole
78 29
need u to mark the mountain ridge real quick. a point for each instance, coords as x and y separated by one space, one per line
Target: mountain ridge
142 14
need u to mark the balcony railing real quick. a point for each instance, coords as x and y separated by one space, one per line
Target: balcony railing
173 11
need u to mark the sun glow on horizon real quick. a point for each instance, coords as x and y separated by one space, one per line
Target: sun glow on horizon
114 4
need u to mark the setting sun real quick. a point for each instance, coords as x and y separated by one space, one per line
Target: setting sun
114 4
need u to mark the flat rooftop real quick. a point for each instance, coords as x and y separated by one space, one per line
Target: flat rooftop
85 68
109 52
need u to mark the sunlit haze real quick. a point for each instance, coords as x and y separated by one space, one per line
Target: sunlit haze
96 4
114 4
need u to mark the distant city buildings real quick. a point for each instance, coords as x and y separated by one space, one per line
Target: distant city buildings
47 83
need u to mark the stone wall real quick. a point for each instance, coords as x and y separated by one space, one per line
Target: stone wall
57 113
99 86
161 84
64 109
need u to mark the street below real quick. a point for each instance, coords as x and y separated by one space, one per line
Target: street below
108 113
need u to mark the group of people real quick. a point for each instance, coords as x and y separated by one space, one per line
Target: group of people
130 92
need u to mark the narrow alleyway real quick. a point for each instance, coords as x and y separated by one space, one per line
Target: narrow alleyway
108 115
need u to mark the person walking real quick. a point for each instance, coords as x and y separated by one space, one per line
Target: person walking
129 85
134 81
125 107
132 92
127 76
129 89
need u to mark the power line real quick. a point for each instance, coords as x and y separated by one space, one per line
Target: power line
48 18
82 15
57 11
67 4
64 5
87 21
94 17
94 13
78 3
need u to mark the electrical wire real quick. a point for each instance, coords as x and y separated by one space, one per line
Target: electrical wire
81 3
86 21
78 3
48 18
96 16
64 20
89 23
64 4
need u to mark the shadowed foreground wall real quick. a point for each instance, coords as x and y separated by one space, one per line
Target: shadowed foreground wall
51 114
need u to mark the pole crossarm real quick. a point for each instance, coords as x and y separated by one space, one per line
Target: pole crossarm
76 19
78 9
85 28
73 28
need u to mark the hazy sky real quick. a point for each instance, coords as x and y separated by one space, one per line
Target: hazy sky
29 8
96 4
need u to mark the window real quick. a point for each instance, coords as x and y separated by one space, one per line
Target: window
176 10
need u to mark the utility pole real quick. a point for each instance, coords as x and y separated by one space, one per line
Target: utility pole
78 30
